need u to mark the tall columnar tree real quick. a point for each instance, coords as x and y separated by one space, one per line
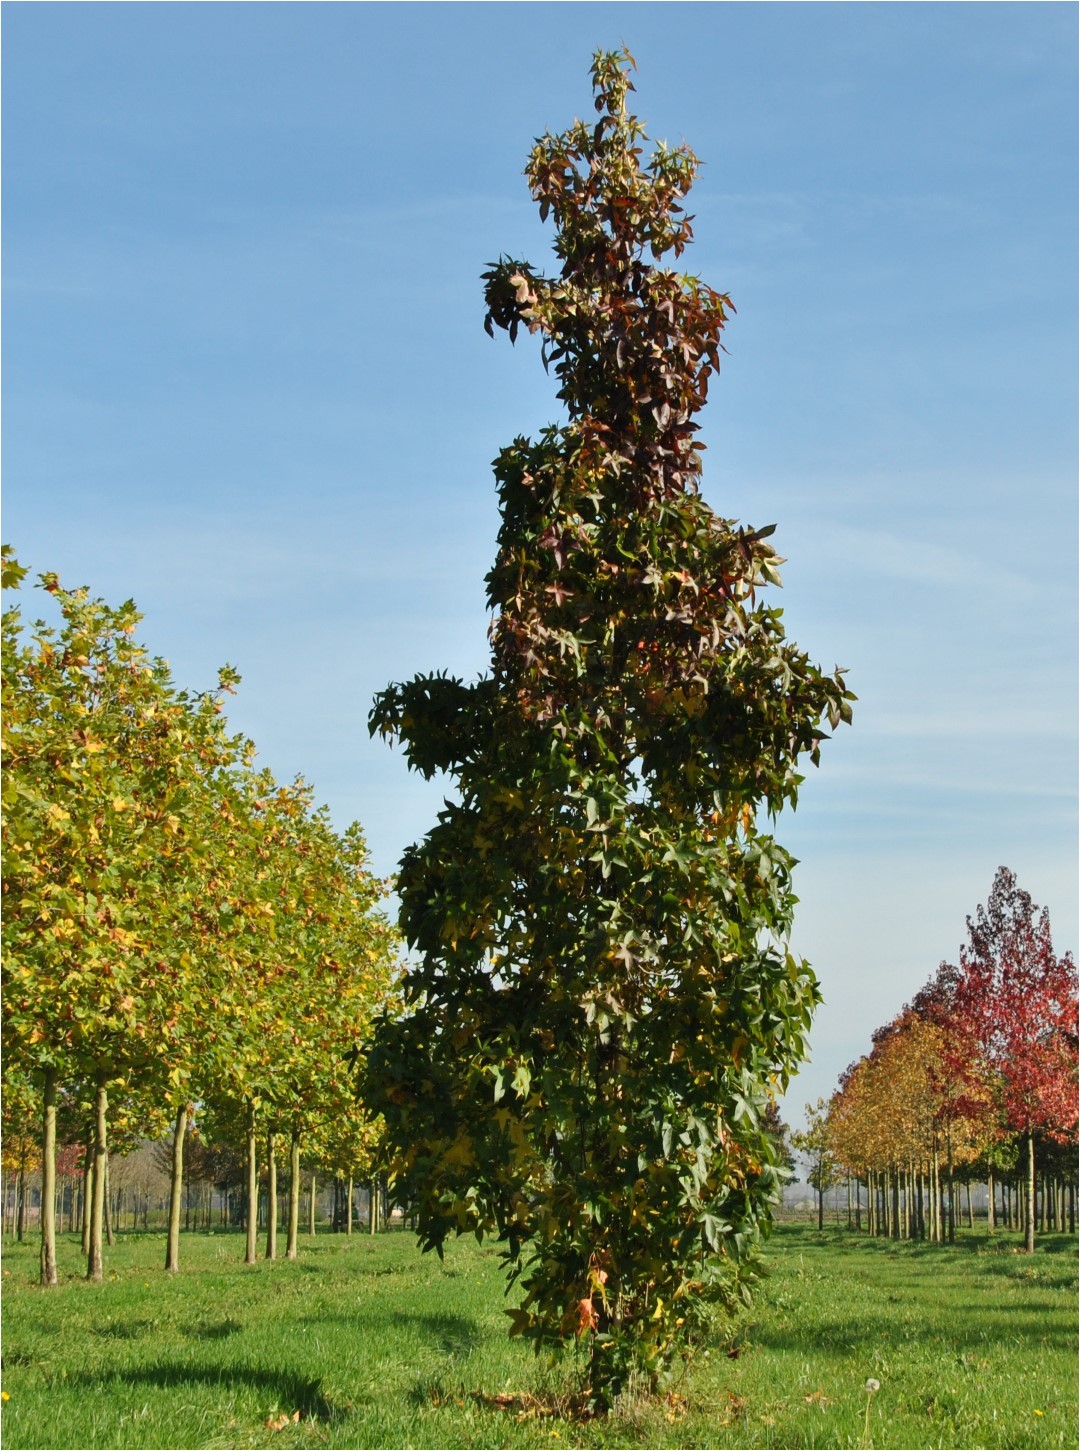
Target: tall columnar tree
1018 1000
603 993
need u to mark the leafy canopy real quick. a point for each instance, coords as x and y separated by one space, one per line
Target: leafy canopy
603 999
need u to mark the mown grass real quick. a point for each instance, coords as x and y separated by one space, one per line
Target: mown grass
375 1345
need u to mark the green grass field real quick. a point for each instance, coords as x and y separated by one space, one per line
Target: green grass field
374 1345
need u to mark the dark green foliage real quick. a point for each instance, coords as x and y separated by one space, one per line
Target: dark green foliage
604 1000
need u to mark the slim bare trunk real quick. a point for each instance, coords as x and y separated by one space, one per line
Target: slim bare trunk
990 1215
95 1263
176 1190
20 1199
373 1207
87 1193
311 1207
896 1202
271 1198
110 1237
292 1251
349 1207
1029 1223
253 1190
48 1181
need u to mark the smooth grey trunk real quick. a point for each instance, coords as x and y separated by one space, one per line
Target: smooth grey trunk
87 1193
349 1206
20 1200
110 1237
373 1207
311 1207
95 1264
176 1190
271 1198
292 1251
990 1191
250 1253
1029 1218
48 1181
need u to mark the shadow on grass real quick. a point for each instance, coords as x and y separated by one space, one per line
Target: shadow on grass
284 1389
453 1334
124 1329
1006 1243
450 1334
218 1330
1001 1325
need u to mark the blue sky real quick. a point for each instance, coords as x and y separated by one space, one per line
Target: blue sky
247 384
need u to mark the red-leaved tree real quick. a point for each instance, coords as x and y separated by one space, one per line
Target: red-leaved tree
1018 1000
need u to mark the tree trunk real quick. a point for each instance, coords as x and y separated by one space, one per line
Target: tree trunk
896 1202
909 1202
110 1237
48 1181
990 1215
1029 1226
87 1193
292 1251
20 1199
952 1185
373 1207
970 1211
252 1188
176 1190
95 1267
311 1207
349 1206
271 1197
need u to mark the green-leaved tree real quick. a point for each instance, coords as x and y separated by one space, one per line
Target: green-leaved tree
603 997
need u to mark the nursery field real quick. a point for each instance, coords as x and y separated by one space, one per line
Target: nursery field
365 1343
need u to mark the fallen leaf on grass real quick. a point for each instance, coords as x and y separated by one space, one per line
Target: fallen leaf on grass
817 1398
675 1406
278 1423
736 1406
527 1407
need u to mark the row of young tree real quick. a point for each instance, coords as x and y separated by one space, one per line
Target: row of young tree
139 1186
974 1080
179 928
